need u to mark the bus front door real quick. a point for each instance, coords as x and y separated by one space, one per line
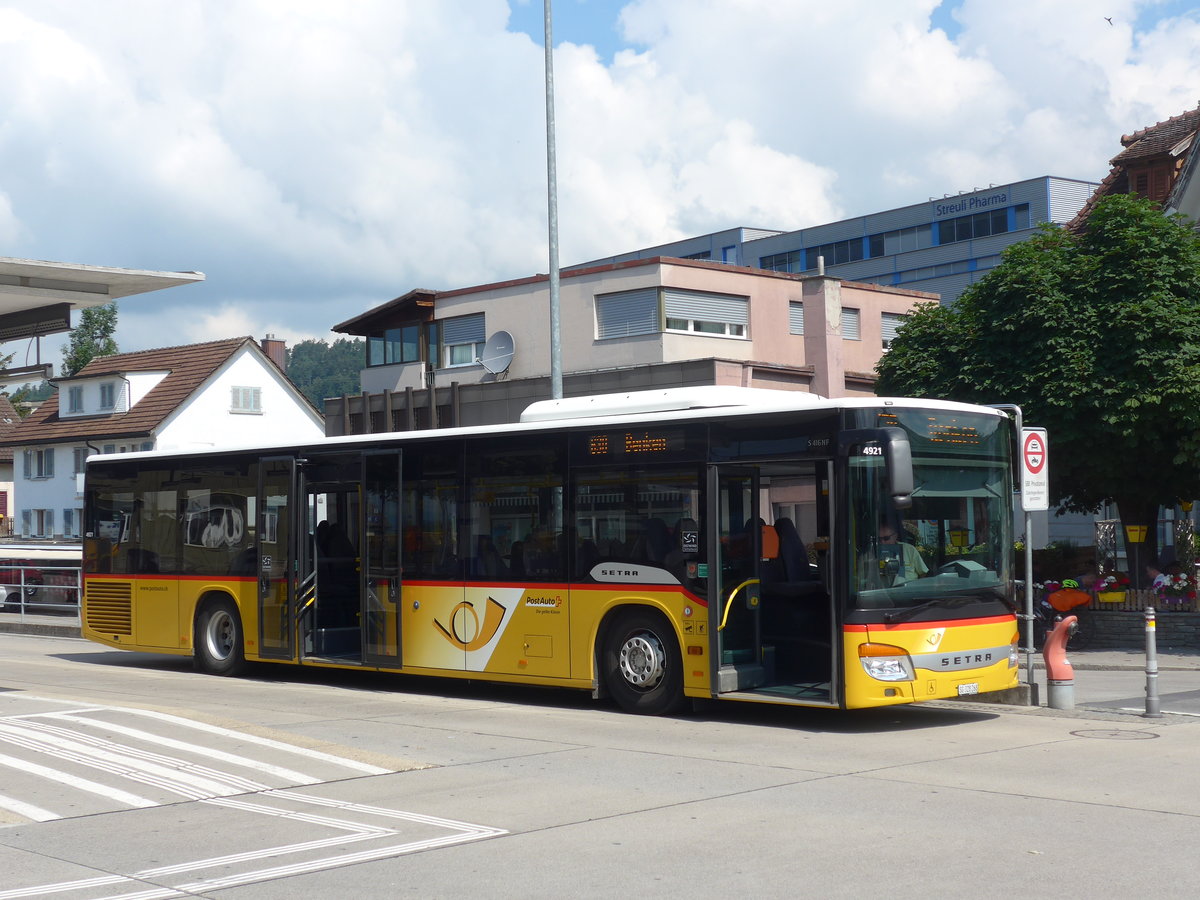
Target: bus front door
275 540
771 624
735 626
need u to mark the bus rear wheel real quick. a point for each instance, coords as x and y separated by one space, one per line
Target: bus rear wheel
642 664
219 647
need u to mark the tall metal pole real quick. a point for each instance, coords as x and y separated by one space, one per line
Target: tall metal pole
556 380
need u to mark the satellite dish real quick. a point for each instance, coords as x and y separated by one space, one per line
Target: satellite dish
497 352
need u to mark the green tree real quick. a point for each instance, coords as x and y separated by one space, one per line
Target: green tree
1097 337
92 337
322 370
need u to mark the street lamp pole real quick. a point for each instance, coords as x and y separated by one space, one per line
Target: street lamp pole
556 380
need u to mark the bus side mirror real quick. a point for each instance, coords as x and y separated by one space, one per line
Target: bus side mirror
897 455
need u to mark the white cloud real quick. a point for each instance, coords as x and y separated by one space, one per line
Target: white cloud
317 159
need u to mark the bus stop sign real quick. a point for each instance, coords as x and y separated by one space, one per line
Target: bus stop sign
1035 470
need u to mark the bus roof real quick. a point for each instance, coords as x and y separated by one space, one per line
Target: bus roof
661 406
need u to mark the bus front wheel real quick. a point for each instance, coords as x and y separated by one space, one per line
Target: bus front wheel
219 648
643 667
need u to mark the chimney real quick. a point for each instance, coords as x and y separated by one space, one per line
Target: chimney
275 349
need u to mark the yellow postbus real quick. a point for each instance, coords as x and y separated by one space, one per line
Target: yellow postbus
649 547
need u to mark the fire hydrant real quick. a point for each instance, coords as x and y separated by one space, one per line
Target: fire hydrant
1060 674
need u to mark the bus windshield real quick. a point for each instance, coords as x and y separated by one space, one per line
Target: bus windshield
954 540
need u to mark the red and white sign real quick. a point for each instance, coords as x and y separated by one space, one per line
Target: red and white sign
1035 470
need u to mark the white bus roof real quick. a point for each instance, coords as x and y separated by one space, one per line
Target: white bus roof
668 400
595 411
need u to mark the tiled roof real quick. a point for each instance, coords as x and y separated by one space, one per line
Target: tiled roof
1158 138
8 424
187 369
1146 143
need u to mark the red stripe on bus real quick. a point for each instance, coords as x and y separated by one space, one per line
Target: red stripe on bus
925 626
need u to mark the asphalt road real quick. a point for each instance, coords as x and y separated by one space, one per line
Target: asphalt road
130 775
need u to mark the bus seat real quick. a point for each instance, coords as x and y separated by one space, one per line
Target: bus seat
792 552
658 540
769 548
586 558
487 563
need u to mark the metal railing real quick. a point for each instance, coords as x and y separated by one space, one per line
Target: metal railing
41 591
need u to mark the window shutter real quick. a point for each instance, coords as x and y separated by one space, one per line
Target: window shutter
682 304
463 330
26 520
850 324
627 313
890 324
27 457
796 317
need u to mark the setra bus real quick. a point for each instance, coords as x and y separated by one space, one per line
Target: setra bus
650 547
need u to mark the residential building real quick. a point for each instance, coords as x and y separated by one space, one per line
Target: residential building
939 246
8 425
1159 162
200 395
635 325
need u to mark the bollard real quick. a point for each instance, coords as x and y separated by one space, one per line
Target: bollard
1152 708
1060 674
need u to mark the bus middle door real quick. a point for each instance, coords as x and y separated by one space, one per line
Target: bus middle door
276 556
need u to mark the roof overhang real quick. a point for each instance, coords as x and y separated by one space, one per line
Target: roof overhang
416 304
37 297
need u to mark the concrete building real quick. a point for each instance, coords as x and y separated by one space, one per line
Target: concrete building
37 298
939 246
635 325
196 396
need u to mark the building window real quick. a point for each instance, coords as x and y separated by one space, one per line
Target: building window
890 323
79 456
965 228
795 317
705 313
836 253
850 324
108 395
792 261
70 523
246 400
39 463
627 313
147 446
462 340
75 399
37 522
396 345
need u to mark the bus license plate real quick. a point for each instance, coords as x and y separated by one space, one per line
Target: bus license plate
966 689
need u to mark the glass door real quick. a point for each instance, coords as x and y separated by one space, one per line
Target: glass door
276 556
381 558
735 585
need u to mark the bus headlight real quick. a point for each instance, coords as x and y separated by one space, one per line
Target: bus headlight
884 662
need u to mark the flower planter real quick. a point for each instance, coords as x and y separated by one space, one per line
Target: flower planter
1111 596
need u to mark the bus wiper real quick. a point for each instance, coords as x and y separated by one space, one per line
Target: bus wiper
949 602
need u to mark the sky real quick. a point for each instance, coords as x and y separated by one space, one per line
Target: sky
317 159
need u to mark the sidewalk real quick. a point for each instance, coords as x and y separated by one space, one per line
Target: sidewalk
1122 660
56 626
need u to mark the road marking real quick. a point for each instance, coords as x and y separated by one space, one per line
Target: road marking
80 784
290 775
358 832
27 810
